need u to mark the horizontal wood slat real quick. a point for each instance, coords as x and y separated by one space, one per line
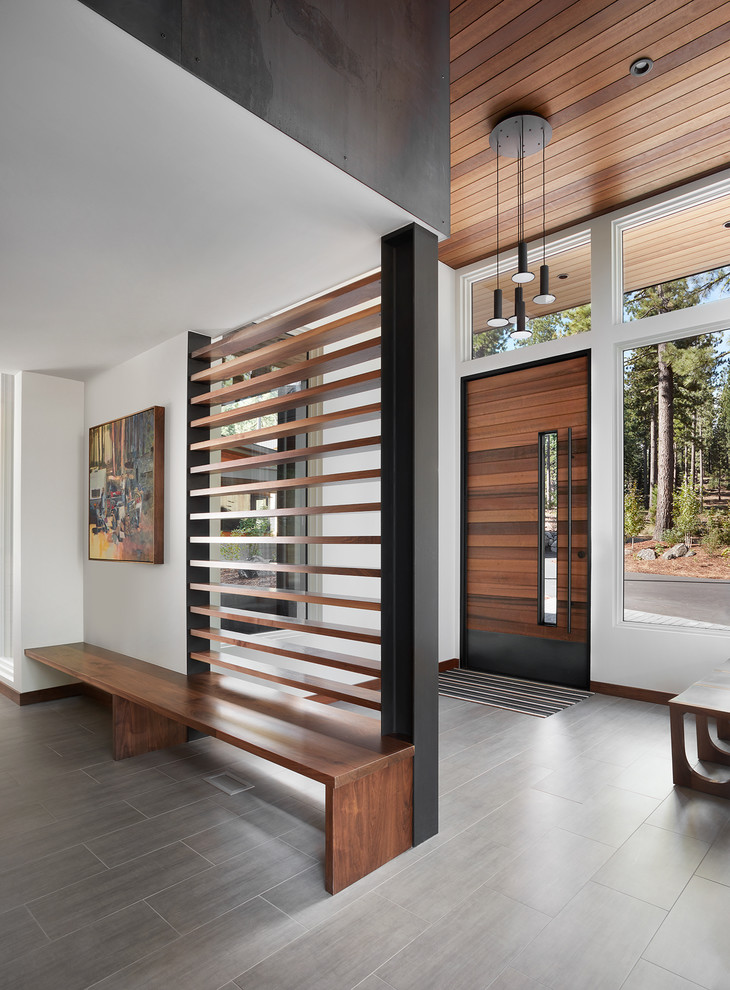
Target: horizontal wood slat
329 304
259 565
309 654
339 601
357 633
311 340
362 445
287 484
338 389
288 540
303 510
338 690
344 357
359 414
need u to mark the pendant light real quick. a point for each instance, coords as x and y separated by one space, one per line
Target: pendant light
497 319
518 136
521 331
523 274
544 296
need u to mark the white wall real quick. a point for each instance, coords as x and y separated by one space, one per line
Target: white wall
630 654
135 608
449 468
49 493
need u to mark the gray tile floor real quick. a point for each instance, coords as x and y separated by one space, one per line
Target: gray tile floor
566 859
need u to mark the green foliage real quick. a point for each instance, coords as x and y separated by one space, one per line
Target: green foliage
717 538
550 327
688 508
672 536
634 514
250 526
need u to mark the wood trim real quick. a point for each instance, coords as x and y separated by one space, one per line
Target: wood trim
345 357
448 664
632 693
332 302
311 340
42 694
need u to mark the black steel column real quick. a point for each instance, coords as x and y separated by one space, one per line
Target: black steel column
409 514
196 575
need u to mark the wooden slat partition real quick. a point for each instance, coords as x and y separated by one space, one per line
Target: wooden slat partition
285 377
344 357
341 388
310 340
357 293
357 414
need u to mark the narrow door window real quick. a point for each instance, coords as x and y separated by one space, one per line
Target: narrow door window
548 529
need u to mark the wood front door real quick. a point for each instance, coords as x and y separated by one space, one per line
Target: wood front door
526 606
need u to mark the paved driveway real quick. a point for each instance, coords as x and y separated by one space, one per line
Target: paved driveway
688 598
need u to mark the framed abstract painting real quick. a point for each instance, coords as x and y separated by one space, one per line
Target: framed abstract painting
127 488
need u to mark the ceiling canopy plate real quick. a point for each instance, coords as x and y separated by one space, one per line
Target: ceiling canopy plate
534 131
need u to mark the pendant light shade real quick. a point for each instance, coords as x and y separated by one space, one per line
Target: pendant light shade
544 296
522 274
497 320
520 331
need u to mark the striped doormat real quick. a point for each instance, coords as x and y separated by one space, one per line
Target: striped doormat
528 697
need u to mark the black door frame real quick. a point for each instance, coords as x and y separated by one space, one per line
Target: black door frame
550 649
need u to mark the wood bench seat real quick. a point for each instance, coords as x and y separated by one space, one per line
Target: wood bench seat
705 699
367 777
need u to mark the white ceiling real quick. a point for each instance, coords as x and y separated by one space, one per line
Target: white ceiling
136 202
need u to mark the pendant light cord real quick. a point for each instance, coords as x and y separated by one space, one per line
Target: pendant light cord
497 211
543 197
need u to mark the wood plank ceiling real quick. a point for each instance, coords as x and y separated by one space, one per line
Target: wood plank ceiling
617 138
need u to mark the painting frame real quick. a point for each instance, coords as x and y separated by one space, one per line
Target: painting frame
126 491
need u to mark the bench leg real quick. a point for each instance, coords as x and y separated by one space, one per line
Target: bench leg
723 729
137 730
681 770
369 822
684 774
706 748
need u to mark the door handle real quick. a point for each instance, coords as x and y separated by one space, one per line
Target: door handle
570 529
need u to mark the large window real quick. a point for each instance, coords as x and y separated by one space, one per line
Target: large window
570 282
677 481
667 266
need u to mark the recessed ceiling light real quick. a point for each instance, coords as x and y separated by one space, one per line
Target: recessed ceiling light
727 224
562 275
641 66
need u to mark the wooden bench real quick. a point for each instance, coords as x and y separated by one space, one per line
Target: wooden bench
707 698
368 778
